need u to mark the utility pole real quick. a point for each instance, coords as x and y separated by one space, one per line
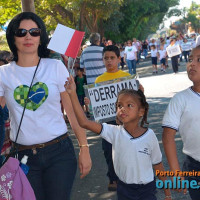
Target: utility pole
28 6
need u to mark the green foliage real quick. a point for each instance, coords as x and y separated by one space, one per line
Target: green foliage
119 20
3 43
174 12
8 9
141 17
192 15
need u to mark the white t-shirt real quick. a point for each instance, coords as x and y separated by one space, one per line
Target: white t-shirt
154 52
132 157
130 52
162 54
183 115
43 120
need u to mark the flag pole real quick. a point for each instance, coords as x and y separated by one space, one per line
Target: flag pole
72 68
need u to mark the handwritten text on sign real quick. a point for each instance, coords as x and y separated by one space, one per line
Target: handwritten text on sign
173 50
103 98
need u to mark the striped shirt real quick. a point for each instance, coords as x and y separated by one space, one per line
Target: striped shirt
92 61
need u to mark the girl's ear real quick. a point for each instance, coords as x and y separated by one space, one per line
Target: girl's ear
141 112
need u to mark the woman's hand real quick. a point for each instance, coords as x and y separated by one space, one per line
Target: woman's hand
85 162
70 85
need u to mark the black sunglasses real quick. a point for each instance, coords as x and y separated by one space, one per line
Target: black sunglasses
35 32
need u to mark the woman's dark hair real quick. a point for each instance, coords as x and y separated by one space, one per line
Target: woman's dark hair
43 52
4 61
80 69
6 55
142 99
112 48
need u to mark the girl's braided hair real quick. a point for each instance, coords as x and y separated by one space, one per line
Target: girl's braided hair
142 99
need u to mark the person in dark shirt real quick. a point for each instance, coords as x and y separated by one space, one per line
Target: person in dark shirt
80 80
145 49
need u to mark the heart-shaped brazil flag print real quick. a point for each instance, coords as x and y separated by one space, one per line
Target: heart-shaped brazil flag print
37 96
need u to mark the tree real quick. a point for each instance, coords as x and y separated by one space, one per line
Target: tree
117 19
190 20
141 17
79 14
194 16
8 9
28 5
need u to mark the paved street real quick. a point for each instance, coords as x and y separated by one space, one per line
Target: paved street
158 90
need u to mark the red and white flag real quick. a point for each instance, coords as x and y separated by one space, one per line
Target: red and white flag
66 41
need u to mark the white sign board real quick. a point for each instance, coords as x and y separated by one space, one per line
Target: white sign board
173 50
103 98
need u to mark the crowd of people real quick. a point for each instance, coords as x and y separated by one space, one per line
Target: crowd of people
58 90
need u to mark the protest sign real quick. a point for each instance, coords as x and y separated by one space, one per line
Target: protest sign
104 96
173 50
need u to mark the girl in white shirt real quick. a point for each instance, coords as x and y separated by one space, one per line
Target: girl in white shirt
162 57
135 148
154 54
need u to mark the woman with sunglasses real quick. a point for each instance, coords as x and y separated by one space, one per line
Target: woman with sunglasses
43 133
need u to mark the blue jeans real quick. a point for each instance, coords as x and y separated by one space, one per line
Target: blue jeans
186 55
145 52
138 56
191 164
52 170
3 117
131 66
136 191
2 136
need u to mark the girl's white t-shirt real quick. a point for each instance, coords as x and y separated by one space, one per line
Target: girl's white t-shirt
162 54
43 120
154 52
132 157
